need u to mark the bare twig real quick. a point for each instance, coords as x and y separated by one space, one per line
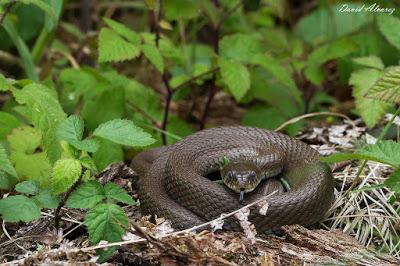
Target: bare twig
301 117
3 227
212 86
168 99
7 10
143 240
194 78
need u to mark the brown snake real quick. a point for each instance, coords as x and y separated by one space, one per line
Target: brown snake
172 182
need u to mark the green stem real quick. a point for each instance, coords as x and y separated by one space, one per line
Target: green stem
380 137
41 43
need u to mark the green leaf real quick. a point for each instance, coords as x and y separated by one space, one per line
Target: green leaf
5 84
23 50
239 47
393 181
7 123
323 24
143 98
47 200
279 72
27 209
386 151
29 163
177 9
322 54
369 61
44 6
107 106
5 163
56 6
255 116
30 187
89 164
114 192
236 77
124 31
7 182
383 151
123 132
389 27
46 114
370 110
108 153
71 130
315 74
65 173
387 88
87 195
153 54
103 223
113 48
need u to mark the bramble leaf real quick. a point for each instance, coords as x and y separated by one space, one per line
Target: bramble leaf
387 87
370 61
370 110
114 192
153 54
27 209
46 114
123 30
236 77
65 173
71 130
113 48
123 132
239 47
393 181
103 223
7 123
28 161
5 163
389 27
30 187
87 195
46 200
385 151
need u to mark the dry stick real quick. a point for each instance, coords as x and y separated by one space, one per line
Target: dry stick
142 240
301 117
3 226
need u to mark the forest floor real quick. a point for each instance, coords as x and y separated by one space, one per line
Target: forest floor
362 227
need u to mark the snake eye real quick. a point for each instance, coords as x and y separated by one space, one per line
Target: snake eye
252 174
230 174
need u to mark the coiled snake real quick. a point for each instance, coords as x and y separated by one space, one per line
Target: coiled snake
172 182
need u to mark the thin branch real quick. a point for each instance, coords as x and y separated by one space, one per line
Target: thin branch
146 115
143 240
7 10
229 13
301 117
194 78
212 86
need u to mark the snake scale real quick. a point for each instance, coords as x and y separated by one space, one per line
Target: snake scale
172 179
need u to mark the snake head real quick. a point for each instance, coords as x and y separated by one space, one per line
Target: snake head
241 177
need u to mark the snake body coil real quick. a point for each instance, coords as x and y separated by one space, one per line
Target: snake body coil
171 181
